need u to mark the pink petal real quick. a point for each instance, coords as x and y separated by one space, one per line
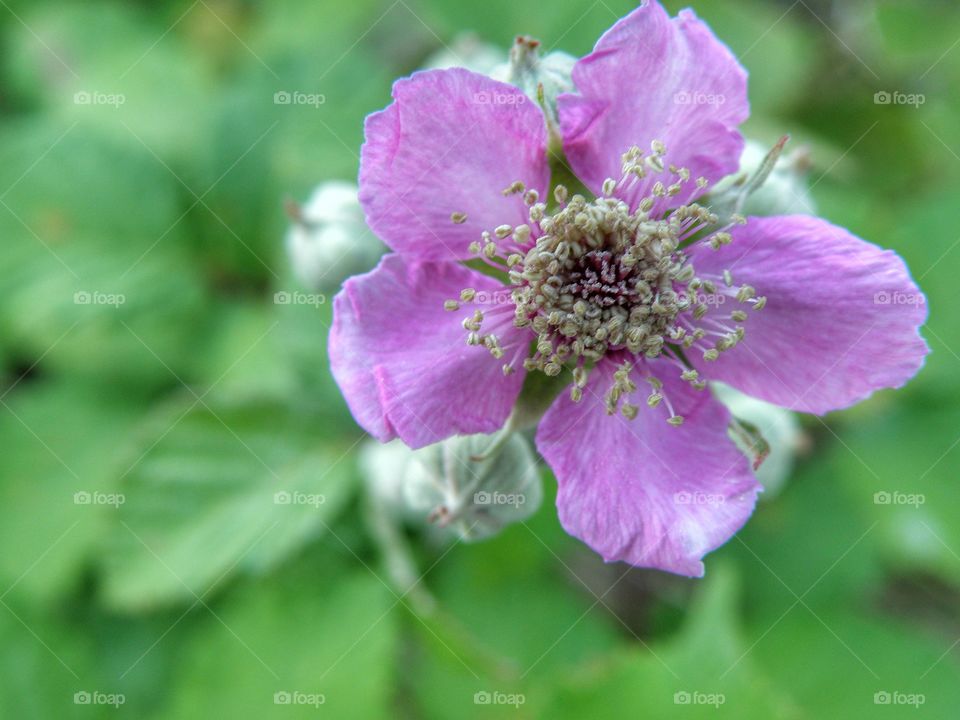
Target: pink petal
643 491
402 361
451 142
842 318
649 78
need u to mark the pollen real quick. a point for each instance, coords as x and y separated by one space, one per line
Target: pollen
597 278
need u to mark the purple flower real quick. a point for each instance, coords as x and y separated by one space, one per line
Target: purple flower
638 296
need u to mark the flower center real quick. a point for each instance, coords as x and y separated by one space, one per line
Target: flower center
600 278
595 278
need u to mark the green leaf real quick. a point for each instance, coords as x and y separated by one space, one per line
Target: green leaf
59 439
903 477
44 661
841 663
703 672
305 631
213 489
279 351
93 271
144 85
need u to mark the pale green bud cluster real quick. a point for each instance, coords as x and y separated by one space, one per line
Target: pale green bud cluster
328 240
768 183
470 487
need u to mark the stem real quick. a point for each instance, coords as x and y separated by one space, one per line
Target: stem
397 556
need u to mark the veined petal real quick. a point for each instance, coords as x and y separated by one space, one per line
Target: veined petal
652 77
841 320
641 490
402 360
450 142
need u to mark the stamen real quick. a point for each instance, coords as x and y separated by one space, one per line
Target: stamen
595 277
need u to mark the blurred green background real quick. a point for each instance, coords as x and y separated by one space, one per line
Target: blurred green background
198 397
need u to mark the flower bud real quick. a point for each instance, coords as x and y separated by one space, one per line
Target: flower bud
383 467
329 240
767 184
464 485
541 78
467 51
769 434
